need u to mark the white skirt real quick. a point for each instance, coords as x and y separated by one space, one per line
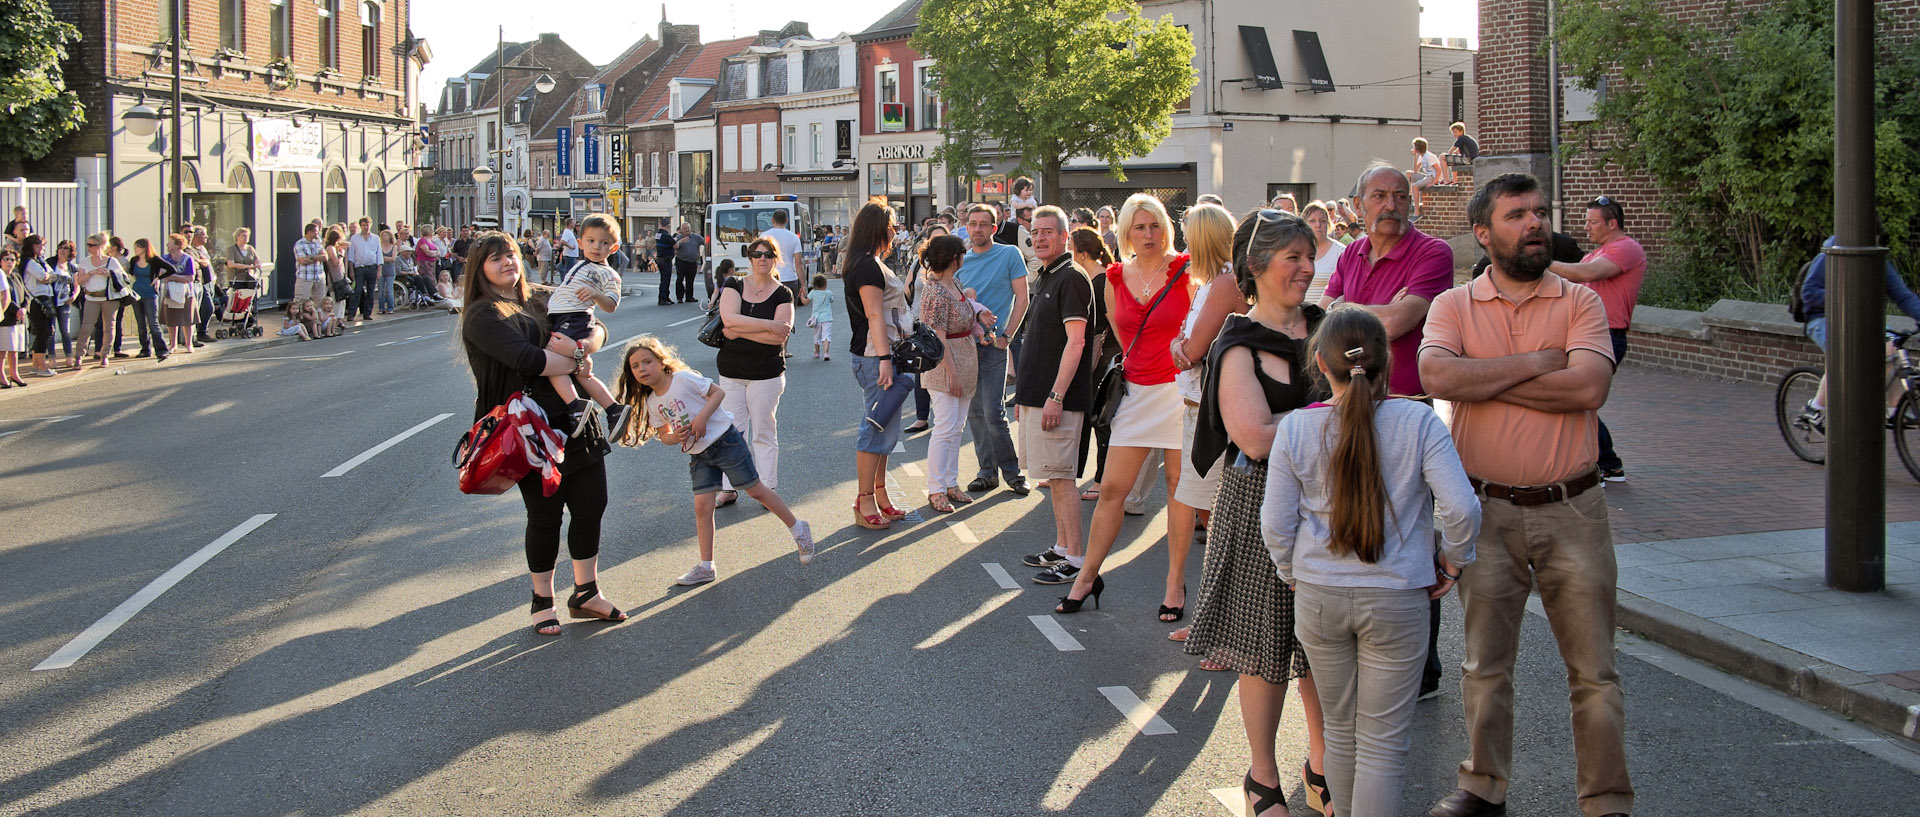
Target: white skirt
1149 417
13 338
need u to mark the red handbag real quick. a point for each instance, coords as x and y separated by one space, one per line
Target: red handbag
510 442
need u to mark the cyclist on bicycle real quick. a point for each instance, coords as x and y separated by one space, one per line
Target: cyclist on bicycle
1813 297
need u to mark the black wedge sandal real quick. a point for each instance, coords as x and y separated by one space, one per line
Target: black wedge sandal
585 593
1263 797
540 627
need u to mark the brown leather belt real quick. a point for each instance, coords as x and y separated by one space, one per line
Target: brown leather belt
1190 403
1528 495
959 335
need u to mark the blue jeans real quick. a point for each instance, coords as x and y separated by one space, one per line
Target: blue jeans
1609 460
152 336
384 289
1817 331
63 323
987 417
868 439
728 456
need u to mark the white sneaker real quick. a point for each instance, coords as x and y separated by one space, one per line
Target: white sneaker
700 574
803 539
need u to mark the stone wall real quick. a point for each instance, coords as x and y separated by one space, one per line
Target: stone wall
1734 340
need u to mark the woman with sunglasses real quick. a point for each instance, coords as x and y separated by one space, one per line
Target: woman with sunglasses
1257 372
1148 296
99 281
756 313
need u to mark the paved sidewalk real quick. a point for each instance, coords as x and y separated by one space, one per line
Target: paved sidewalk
1721 551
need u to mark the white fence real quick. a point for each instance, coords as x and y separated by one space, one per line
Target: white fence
57 210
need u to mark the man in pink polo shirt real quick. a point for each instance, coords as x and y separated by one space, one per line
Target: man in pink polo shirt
1395 271
1614 269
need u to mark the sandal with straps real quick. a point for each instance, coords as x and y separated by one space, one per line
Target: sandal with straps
940 503
540 627
868 521
1317 797
576 604
1263 797
880 490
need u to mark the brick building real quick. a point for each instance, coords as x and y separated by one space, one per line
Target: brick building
747 115
1517 120
290 111
467 125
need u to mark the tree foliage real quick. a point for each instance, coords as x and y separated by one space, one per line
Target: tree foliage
36 109
1735 126
1048 80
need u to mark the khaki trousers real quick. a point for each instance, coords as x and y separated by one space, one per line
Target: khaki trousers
1566 549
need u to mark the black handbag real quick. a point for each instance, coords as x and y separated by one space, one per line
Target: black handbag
1113 382
713 329
920 351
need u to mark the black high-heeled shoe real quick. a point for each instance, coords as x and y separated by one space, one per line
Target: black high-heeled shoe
584 593
1263 797
544 603
1177 612
1070 605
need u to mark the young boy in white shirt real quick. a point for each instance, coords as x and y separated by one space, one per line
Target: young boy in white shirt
590 284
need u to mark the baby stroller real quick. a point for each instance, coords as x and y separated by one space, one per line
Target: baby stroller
237 316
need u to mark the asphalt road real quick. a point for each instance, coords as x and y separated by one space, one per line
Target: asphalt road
365 650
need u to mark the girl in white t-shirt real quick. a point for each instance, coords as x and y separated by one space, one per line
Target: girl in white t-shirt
1426 169
682 408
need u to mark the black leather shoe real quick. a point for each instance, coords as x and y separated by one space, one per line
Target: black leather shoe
1463 803
980 484
1018 485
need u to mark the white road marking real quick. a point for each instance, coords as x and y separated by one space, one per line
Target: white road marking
699 317
51 420
899 447
621 344
965 533
388 343
370 453
912 470
415 337
1062 640
1136 711
92 636
958 625
1234 799
61 418
262 359
1000 576
15 431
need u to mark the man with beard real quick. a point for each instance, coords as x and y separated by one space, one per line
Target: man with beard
1526 360
1395 271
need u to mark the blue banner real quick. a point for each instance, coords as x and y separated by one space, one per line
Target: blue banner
563 151
590 144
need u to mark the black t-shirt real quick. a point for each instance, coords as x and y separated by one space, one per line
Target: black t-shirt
460 247
1467 146
743 359
507 354
861 272
1062 293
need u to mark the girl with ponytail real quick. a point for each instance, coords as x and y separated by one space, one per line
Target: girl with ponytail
1349 520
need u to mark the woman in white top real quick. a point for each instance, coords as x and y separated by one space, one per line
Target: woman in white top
93 279
1326 248
37 272
1209 230
12 338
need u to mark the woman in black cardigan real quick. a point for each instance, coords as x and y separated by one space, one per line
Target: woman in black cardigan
512 348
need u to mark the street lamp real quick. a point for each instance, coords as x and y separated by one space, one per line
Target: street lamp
544 84
482 174
142 121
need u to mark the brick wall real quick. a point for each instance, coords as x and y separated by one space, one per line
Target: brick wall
1512 75
748 120
642 143
1726 354
1445 211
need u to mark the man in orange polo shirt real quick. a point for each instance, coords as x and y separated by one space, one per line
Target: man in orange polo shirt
1526 361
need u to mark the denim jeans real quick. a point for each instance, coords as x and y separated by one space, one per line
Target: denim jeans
1609 459
992 440
152 336
209 309
727 457
868 439
384 289
364 280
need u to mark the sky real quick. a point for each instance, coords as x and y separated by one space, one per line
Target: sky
463 32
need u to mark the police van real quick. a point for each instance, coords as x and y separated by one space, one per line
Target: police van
735 223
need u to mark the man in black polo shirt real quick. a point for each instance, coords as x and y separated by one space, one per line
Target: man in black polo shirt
1053 389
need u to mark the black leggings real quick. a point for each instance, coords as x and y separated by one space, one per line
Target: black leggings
584 493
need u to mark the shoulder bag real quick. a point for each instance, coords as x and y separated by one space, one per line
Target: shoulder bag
510 442
920 351
713 329
1113 381
11 312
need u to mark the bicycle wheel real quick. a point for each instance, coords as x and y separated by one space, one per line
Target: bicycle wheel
1805 431
1906 432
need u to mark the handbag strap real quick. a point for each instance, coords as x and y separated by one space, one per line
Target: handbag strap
1178 276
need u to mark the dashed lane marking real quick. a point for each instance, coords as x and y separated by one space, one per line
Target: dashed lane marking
1063 641
370 453
965 533
1000 576
92 636
1136 711
701 316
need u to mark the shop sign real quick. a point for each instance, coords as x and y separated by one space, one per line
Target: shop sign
891 153
285 144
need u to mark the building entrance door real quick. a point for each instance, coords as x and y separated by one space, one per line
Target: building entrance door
287 224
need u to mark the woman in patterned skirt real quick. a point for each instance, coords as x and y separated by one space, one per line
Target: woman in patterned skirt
1256 372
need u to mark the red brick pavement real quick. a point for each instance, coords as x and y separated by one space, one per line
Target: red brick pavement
1704 458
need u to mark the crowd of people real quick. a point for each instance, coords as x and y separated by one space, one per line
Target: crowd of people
1355 438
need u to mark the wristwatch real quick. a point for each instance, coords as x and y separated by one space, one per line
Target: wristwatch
1055 397
579 357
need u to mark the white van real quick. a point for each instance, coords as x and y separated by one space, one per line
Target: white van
735 223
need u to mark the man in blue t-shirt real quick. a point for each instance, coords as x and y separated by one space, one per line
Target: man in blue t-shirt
997 273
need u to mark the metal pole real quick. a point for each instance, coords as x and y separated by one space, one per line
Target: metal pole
1856 441
179 209
499 129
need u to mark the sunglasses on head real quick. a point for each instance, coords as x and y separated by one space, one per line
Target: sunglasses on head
1602 201
1261 217
762 254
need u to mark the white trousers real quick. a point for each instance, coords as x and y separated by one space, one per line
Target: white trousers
753 404
943 444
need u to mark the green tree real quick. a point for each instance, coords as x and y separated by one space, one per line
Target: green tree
1049 80
1735 126
36 109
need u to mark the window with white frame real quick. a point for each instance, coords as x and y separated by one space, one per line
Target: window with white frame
816 133
654 169
369 39
769 147
792 146
233 24
730 149
280 20
329 33
887 83
749 149
926 98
